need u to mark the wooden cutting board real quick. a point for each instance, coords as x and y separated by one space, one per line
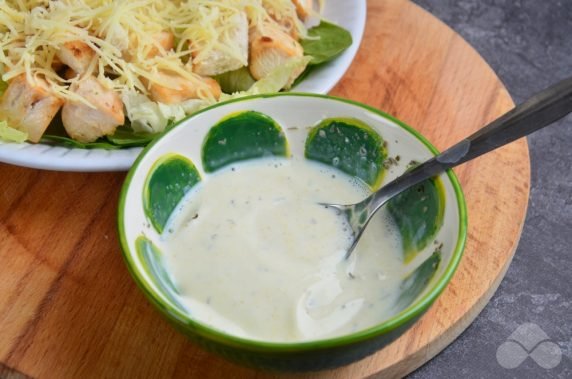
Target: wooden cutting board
68 307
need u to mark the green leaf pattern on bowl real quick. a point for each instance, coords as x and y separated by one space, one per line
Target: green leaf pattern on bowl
418 213
414 283
152 261
171 177
350 146
241 136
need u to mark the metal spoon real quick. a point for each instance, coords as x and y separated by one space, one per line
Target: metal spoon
537 112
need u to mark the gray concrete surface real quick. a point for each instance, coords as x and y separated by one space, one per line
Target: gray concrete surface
529 44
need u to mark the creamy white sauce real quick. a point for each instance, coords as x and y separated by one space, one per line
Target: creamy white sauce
253 254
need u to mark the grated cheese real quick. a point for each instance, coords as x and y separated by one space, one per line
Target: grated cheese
123 34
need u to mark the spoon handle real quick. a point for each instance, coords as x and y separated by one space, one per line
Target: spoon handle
536 113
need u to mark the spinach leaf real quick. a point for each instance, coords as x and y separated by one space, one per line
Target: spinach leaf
101 143
327 42
122 138
126 137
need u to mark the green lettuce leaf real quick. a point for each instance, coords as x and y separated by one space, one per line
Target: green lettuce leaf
148 116
273 82
9 134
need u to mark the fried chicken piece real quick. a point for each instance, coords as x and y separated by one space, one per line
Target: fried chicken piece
271 47
178 89
86 124
76 55
164 39
164 42
29 107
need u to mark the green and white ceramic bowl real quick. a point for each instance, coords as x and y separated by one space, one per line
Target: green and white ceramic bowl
264 125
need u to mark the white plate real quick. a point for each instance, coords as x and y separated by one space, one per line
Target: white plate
349 14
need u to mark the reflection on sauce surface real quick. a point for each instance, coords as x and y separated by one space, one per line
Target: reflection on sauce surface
254 255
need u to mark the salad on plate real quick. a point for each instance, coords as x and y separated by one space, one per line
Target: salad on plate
115 73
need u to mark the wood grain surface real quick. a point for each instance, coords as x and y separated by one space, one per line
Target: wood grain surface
69 309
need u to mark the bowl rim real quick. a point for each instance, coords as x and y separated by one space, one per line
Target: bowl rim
408 314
